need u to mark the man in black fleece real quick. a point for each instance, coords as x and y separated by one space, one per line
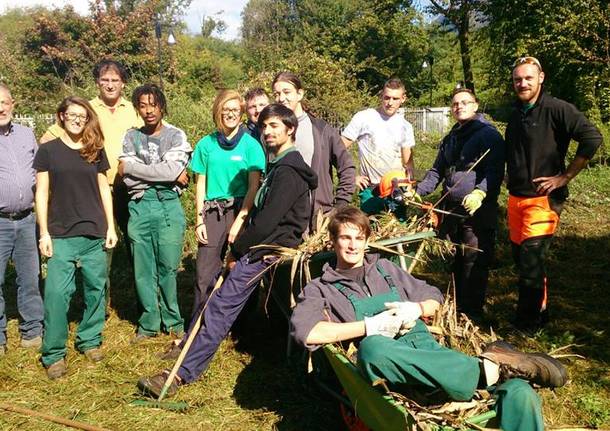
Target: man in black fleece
471 190
280 216
538 134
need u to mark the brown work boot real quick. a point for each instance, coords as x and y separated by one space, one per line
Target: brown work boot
153 385
32 343
172 352
538 368
57 369
94 355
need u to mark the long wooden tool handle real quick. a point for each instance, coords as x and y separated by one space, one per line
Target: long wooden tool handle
56 419
192 334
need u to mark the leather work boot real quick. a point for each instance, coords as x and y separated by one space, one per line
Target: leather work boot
538 368
35 342
172 352
94 355
152 386
57 369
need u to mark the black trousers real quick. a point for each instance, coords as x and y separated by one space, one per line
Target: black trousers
529 257
471 267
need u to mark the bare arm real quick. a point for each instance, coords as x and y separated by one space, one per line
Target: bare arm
200 230
406 154
254 179
42 210
346 142
330 332
102 182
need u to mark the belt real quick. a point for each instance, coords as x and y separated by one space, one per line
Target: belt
16 216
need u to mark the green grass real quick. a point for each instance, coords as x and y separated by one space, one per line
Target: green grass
251 386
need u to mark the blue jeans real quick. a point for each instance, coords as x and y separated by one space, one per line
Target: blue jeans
18 242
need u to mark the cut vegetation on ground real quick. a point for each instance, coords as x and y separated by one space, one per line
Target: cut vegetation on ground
250 384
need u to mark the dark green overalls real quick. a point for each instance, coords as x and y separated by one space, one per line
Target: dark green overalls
156 232
416 359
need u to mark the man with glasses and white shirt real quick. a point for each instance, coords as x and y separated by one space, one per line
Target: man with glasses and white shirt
472 192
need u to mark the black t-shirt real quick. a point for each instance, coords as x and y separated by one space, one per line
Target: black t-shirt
355 274
75 204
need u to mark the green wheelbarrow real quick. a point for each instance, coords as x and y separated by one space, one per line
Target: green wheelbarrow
379 411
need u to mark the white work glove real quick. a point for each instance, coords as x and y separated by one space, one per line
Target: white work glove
386 323
407 311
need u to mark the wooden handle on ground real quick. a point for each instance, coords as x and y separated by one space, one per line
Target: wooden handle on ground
56 419
193 332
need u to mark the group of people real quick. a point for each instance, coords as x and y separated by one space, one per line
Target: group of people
108 162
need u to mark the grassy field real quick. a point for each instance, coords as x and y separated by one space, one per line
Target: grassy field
250 384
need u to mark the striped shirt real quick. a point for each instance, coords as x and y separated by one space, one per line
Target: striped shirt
17 176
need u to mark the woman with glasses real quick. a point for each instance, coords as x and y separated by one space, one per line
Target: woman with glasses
229 164
470 164
74 210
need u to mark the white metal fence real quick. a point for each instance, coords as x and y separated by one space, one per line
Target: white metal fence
426 120
429 120
36 121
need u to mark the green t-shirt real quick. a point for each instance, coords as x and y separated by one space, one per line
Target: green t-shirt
227 171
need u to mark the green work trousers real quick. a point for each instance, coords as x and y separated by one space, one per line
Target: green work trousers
156 232
518 406
416 359
89 255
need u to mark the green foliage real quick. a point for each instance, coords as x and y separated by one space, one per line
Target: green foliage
61 48
330 93
370 41
206 64
571 39
597 410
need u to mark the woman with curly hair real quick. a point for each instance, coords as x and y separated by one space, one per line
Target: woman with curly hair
74 210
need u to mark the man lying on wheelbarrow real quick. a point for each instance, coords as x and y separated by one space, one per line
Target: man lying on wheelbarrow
366 298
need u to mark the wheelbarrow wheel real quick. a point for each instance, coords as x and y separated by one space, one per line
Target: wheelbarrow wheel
352 422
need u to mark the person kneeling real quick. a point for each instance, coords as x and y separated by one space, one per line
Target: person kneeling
366 298
280 216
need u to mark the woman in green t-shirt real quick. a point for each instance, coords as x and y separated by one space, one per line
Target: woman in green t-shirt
229 164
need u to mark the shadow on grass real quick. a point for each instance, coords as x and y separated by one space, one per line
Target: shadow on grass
273 382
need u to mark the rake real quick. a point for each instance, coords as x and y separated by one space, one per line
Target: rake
178 405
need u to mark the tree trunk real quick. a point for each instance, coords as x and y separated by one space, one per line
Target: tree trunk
464 38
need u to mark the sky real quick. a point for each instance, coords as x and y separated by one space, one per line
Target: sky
227 10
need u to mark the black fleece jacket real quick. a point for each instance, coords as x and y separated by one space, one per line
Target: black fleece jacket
537 142
283 213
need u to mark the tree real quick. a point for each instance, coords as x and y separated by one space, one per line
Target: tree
63 46
369 40
570 38
210 25
460 13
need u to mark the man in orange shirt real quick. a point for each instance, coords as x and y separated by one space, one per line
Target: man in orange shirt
116 116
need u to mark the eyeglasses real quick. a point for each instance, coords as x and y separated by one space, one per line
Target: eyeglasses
462 103
106 81
527 60
72 116
235 112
